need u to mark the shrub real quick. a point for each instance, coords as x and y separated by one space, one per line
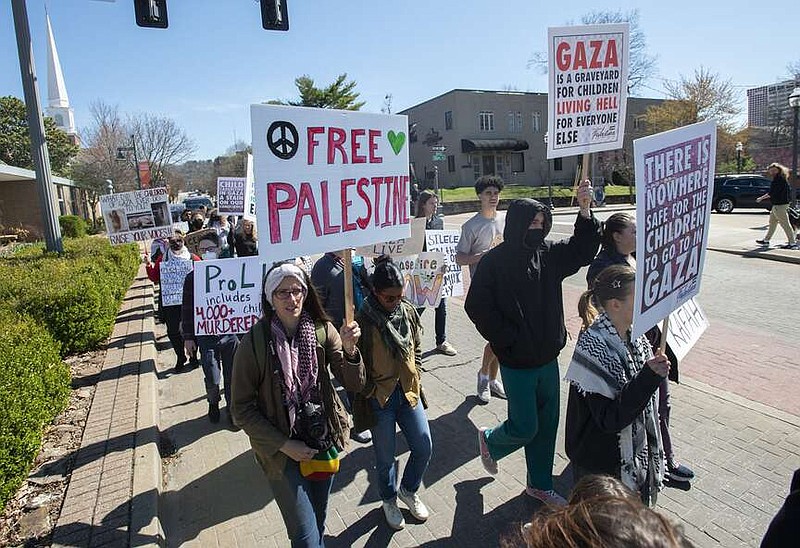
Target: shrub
34 388
72 226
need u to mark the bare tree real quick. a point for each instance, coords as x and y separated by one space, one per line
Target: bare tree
794 68
641 65
160 142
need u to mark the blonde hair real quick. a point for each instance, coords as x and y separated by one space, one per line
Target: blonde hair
781 168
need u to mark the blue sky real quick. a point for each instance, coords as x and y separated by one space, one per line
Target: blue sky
215 59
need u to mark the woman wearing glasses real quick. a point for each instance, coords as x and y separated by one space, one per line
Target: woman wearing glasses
284 400
390 346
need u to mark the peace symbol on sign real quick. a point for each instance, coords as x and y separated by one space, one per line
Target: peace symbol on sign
282 139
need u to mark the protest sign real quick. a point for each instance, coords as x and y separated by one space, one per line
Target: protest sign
171 276
588 88
227 295
183 226
137 216
423 276
192 239
446 241
674 185
328 179
398 248
686 324
250 192
231 195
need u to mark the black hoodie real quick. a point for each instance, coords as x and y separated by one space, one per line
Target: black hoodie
515 297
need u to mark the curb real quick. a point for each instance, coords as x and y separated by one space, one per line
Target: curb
145 522
754 254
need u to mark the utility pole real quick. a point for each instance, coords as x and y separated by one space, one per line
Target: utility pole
41 158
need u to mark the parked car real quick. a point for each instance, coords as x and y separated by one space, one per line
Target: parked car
196 202
176 210
732 191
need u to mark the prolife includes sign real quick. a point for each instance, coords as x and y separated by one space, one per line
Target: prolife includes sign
588 88
227 295
446 241
171 276
231 195
137 216
674 185
328 179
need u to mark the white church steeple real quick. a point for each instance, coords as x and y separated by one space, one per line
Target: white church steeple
57 100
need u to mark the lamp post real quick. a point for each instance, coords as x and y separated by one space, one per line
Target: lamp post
121 157
549 180
110 186
739 148
794 103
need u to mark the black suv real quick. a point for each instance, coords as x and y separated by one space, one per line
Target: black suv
731 191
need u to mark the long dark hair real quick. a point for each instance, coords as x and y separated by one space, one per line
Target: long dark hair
616 223
423 198
311 304
387 274
614 282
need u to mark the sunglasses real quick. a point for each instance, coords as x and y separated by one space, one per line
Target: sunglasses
390 299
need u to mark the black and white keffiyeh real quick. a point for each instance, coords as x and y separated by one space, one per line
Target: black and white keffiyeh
602 364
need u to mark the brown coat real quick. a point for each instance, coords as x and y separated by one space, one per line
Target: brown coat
257 405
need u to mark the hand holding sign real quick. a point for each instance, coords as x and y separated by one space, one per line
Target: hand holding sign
659 364
585 195
350 334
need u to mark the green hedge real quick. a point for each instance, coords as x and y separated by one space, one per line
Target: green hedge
72 226
34 388
75 296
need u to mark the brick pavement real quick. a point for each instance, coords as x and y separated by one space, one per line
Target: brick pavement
215 495
106 503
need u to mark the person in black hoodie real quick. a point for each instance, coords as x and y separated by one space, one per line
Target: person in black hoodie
515 302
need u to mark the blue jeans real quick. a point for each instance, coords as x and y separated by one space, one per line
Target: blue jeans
413 424
213 352
303 505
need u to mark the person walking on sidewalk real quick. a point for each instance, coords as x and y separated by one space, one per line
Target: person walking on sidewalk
516 303
618 246
176 251
478 235
779 194
612 415
285 402
216 351
426 207
390 346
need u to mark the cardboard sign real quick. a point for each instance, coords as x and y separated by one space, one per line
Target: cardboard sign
172 273
588 88
327 179
137 216
250 192
192 239
424 278
685 327
398 248
446 241
674 185
227 295
231 195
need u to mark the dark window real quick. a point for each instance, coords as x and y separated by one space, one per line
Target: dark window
517 162
448 119
451 163
557 164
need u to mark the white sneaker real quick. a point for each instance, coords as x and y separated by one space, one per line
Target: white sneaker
394 517
484 393
549 497
447 349
489 464
415 505
497 389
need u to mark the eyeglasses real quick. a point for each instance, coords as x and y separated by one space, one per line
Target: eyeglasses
284 294
208 248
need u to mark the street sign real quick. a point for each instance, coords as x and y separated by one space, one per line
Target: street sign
438 148
439 157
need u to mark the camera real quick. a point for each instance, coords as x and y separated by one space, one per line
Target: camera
312 428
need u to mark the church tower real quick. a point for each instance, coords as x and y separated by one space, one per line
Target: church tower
57 100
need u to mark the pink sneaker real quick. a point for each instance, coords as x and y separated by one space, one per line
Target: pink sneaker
548 497
486 459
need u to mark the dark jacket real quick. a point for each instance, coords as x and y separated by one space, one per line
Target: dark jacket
515 298
779 190
244 246
257 398
328 279
594 422
785 526
187 308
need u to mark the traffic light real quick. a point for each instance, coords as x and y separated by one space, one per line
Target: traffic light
151 13
274 15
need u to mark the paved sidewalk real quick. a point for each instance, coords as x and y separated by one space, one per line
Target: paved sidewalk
215 495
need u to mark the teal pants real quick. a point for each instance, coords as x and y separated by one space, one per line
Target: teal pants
533 408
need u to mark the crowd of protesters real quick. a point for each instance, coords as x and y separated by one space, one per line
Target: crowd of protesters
279 382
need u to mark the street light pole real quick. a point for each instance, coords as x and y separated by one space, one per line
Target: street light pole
739 148
794 103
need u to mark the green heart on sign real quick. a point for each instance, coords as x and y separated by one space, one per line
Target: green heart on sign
397 140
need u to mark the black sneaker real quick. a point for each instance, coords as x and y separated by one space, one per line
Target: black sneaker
213 412
762 242
679 472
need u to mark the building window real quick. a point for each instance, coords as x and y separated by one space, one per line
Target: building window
639 123
514 122
557 165
476 166
448 119
536 122
517 162
451 163
486 120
